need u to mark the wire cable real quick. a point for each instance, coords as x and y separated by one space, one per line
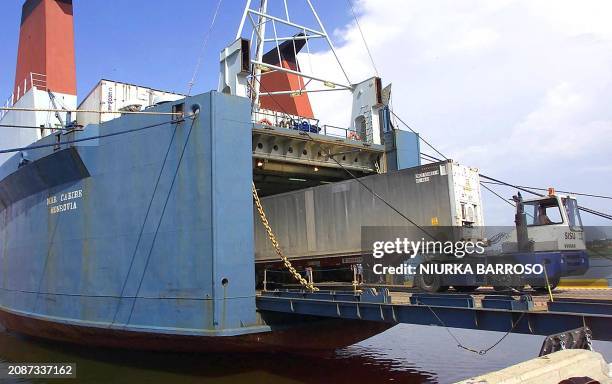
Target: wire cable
519 187
420 137
558 190
497 194
511 185
11 150
365 43
206 38
428 161
481 351
459 344
580 207
161 217
331 156
16 126
430 157
596 213
142 227
19 109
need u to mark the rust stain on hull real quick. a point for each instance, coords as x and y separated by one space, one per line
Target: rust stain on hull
328 334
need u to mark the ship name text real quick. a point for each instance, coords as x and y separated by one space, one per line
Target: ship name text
64 201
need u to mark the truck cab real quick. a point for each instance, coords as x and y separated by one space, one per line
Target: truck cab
549 231
554 223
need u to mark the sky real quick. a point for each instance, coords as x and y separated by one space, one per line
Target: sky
520 89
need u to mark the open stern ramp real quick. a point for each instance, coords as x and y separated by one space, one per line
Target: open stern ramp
494 313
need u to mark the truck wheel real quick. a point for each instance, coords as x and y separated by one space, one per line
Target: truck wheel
430 283
553 284
465 288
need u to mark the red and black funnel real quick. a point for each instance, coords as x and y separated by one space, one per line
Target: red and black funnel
277 81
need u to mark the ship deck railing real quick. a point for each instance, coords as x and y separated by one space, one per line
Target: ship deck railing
303 124
37 80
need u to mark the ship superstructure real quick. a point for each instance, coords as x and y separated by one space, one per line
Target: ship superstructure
292 149
45 77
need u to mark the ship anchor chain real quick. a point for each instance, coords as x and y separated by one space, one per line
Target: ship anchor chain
264 220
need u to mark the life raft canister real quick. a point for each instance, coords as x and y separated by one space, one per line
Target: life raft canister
353 135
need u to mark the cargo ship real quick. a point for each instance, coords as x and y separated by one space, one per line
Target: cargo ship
127 220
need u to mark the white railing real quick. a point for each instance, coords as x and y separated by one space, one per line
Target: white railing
344 133
9 103
37 80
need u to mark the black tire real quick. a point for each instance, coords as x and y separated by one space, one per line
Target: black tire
430 283
553 284
465 288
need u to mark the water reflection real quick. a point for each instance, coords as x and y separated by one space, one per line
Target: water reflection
120 366
403 354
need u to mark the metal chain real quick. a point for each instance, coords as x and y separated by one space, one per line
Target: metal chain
481 352
264 220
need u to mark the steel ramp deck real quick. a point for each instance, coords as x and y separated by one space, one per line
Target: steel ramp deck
501 313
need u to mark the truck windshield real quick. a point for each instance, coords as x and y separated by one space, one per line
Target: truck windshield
543 212
573 214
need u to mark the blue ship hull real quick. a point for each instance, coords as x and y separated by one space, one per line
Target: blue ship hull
142 239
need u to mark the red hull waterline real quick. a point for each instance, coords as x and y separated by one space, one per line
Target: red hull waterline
301 335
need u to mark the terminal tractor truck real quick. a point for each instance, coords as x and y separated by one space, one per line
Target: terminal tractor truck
548 231
328 228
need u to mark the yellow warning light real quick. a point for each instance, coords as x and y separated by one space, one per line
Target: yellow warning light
551 191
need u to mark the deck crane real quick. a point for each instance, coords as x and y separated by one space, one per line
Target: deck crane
58 116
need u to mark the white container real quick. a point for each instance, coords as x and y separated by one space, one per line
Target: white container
327 220
113 96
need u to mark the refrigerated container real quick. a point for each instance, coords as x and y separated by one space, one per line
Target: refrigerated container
114 96
327 220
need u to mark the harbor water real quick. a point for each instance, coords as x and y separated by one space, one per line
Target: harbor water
403 354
